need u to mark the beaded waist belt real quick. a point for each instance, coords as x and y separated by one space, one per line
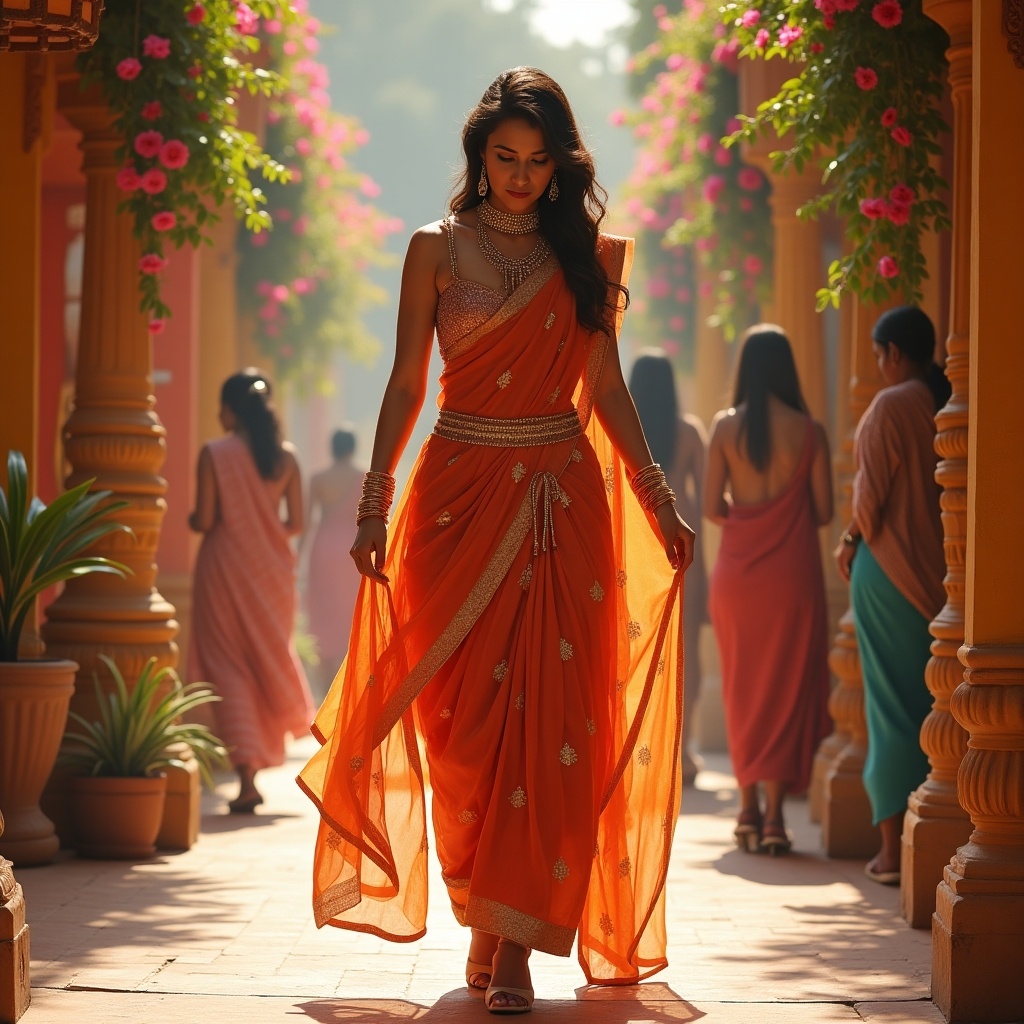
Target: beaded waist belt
512 433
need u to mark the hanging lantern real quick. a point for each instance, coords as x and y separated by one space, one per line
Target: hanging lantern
43 25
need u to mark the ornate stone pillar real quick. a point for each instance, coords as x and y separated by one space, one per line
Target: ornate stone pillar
935 823
846 829
115 436
14 956
978 926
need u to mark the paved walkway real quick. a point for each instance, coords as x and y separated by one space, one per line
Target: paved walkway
224 933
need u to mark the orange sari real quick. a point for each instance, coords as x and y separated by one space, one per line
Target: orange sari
532 635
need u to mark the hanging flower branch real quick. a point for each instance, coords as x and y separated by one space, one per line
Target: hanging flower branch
718 205
171 72
307 278
866 90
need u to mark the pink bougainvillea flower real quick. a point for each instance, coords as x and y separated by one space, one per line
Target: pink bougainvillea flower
154 181
866 78
128 69
258 239
156 325
847 5
683 295
762 38
660 10
303 285
713 188
746 205
723 157
705 143
174 154
617 117
269 311
901 136
750 18
829 21
888 13
203 116
247 20
749 179
369 187
195 14
291 47
888 267
902 194
273 26
194 72
128 179
898 213
890 116
152 263
151 111
280 293
658 288
827 7
706 290
164 220
788 35
301 226
817 48
303 146
753 265
148 143
674 61
873 208
157 47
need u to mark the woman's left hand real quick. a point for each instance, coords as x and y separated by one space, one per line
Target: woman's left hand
676 535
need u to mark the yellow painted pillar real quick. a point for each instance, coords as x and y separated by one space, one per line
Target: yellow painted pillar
935 823
846 829
978 926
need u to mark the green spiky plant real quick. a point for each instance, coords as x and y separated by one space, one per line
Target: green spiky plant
138 730
41 545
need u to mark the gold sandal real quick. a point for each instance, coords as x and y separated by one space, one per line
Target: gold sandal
474 970
522 993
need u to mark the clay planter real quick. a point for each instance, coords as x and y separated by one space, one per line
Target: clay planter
34 698
117 817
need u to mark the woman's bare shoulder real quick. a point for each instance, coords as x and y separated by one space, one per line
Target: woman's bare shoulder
691 430
725 423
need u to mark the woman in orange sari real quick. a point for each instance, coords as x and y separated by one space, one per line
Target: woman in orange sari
522 614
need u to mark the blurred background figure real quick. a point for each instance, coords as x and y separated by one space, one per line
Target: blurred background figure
677 442
332 578
243 612
769 485
892 555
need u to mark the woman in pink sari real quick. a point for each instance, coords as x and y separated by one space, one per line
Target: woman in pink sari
522 612
243 595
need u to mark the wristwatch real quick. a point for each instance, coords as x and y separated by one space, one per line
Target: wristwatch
850 540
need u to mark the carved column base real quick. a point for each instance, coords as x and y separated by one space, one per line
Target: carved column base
978 944
846 829
928 842
14 953
823 760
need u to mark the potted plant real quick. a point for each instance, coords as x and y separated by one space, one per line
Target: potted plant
119 797
40 545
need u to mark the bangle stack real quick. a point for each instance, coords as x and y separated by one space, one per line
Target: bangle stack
378 493
651 488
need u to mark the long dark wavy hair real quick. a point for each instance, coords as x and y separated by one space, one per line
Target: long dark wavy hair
571 224
765 367
248 395
652 384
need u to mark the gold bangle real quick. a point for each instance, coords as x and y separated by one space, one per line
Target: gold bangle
378 493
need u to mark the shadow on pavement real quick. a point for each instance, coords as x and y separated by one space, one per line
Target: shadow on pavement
647 1002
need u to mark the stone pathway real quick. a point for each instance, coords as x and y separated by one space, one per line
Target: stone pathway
224 933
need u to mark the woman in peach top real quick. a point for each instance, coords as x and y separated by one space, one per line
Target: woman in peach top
522 612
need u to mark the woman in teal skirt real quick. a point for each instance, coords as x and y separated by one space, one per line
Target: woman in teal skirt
892 556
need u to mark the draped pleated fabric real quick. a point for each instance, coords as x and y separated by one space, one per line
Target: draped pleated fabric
531 634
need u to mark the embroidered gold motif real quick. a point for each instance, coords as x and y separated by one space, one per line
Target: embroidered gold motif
620 578
564 498
505 379
624 867
356 763
597 591
597 849
467 817
661 666
518 472
334 840
376 778
564 648
643 755
609 479
577 455
446 712
518 798
619 684
633 630
560 870
606 924
553 397
550 320
591 726
521 701
526 576
567 755
499 671
454 458
444 519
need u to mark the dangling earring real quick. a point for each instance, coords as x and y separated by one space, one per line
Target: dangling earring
481 188
553 187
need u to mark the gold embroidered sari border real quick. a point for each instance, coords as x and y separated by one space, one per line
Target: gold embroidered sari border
521 432
515 303
532 932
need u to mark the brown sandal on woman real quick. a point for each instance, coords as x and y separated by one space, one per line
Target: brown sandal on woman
748 830
775 839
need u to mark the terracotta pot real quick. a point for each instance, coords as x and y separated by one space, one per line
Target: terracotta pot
117 818
34 698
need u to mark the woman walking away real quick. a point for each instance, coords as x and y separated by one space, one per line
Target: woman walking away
892 555
767 588
678 443
522 610
243 597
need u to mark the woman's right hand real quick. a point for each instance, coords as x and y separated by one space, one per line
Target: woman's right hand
369 549
843 555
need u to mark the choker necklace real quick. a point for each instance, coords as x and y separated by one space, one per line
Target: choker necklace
513 272
508 223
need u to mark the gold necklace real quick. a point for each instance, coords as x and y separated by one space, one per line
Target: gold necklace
508 223
513 272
